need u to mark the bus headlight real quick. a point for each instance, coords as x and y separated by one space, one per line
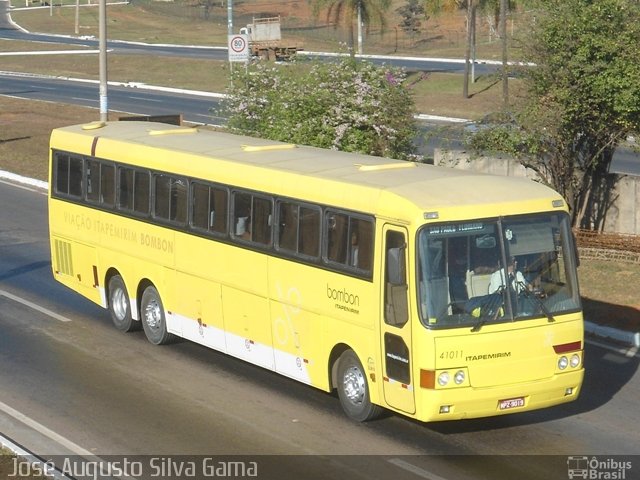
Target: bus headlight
443 379
575 360
563 362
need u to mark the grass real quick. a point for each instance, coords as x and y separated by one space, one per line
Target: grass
7 467
25 127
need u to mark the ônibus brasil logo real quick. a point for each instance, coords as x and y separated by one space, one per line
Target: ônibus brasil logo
594 468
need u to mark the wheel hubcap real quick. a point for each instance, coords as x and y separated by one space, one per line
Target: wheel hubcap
153 315
119 303
354 385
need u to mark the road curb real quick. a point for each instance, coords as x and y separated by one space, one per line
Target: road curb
36 463
12 177
631 339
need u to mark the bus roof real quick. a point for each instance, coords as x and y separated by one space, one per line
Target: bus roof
381 186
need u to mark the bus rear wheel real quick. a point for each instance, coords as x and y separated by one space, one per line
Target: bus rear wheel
154 321
353 389
119 306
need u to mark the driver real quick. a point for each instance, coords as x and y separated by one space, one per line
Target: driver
516 278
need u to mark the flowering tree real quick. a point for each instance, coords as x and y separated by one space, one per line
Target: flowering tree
345 105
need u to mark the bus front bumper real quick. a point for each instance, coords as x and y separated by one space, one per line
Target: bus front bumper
470 402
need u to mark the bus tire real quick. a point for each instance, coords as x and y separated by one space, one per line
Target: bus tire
119 305
353 389
153 319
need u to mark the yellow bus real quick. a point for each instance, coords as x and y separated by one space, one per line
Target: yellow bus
432 292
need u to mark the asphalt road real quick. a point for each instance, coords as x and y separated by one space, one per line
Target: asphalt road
79 386
125 99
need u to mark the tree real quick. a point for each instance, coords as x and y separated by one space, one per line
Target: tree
503 37
583 99
469 52
438 6
347 105
411 13
499 9
365 12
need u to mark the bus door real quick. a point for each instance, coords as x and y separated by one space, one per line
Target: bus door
398 383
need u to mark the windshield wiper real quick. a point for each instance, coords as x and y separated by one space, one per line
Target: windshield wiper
497 304
537 300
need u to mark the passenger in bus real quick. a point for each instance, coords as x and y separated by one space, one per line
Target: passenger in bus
243 228
355 247
516 279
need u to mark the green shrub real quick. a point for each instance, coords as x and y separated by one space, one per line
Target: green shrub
347 105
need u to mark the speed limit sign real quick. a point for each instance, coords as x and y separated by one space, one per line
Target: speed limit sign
238 48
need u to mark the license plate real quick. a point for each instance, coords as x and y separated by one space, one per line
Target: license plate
511 403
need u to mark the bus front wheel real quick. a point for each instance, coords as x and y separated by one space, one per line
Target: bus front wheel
353 389
153 318
119 306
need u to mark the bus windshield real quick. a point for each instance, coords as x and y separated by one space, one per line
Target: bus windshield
486 271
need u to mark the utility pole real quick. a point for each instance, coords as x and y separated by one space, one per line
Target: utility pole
102 32
471 6
77 29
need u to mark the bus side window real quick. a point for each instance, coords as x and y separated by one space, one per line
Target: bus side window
162 184
209 208
337 237
350 241
125 188
92 176
299 229
309 232
99 181
61 171
361 245
141 192
170 201
396 310
107 184
242 215
68 172
288 226
218 204
133 190
252 218
261 224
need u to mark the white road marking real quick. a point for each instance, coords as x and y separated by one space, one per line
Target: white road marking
33 306
92 100
32 459
23 187
144 99
38 427
409 467
628 352
50 52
